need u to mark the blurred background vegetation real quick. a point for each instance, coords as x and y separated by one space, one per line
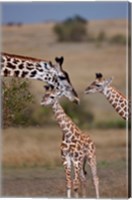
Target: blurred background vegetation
19 110
18 99
76 29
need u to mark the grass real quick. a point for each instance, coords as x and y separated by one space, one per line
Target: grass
41 182
31 147
32 163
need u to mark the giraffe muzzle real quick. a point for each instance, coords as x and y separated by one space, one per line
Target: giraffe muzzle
86 91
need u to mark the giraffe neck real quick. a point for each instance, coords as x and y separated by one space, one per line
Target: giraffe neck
64 121
118 101
31 68
25 67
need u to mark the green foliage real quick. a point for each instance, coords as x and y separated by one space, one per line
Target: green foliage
118 39
19 109
78 113
72 29
111 124
42 116
18 106
16 102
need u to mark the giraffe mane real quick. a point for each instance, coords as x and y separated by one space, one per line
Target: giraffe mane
119 92
23 57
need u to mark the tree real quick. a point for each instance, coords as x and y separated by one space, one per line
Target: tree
72 29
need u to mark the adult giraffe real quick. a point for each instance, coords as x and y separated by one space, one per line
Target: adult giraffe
118 100
32 68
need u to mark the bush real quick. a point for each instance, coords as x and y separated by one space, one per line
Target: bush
118 39
16 102
18 106
72 29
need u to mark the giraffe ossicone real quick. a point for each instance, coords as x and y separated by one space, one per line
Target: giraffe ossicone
116 99
39 69
77 148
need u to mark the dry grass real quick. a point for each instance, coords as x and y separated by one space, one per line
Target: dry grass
30 147
111 27
40 146
32 163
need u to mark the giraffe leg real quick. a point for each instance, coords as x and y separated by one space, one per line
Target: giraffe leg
67 167
92 163
76 181
83 174
83 183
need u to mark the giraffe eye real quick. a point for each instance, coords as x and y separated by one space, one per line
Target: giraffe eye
97 85
62 78
52 97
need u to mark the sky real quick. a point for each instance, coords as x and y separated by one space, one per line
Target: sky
36 12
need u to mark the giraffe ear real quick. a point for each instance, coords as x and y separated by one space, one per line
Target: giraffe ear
98 75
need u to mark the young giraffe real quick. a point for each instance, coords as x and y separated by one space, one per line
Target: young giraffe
118 101
76 148
32 68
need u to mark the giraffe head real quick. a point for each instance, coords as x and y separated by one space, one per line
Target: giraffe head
64 81
50 97
99 85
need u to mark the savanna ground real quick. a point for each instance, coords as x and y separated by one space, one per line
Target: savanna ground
31 163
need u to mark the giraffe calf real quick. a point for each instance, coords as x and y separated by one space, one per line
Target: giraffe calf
76 148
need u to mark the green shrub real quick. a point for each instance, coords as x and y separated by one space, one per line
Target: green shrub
16 102
118 39
18 106
72 29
